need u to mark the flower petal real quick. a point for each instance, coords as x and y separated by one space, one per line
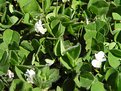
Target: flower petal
100 56
95 63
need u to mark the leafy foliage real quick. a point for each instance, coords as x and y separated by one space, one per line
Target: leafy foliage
76 31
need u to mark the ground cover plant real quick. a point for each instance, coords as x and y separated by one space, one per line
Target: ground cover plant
60 45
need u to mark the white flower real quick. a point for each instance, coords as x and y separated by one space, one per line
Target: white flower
30 74
99 58
49 61
10 74
96 64
39 27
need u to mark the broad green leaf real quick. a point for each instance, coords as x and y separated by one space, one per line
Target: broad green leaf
99 7
68 85
1 53
116 52
116 16
112 45
35 44
65 62
86 80
46 5
117 2
14 58
59 30
117 26
2 1
19 73
28 6
57 49
97 86
1 85
54 23
13 19
58 88
90 33
45 77
113 61
26 87
119 82
22 86
36 89
4 63
23 53
10 36
117 37
26 18
100 37
26 45
74 51
102 27
109 73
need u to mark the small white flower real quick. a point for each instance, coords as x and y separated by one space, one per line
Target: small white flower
100 56
49 61
30 74
10 74
96 64
39 27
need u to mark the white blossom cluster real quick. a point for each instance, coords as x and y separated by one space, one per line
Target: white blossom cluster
30 74
99 58
39 27
10 74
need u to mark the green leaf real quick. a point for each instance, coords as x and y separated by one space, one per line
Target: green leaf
14 58
117 26
45 77
99 7
117 37
26 18
23 53
86 80
4 63
1 85
74 51
116 52
26 45
116 16
28 6
19 73
58 30
119 82
65 62
10 36
113 61
58 88
97 86
1 53
13 19
109 73
22 86
68 85
59 48
47 5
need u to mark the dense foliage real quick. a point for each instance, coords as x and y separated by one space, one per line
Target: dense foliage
60 45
